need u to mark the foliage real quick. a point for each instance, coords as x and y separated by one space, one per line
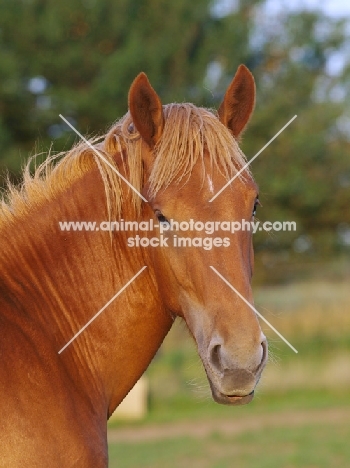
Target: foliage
78 58
305 175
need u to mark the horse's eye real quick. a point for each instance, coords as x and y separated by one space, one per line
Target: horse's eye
161 218
256 203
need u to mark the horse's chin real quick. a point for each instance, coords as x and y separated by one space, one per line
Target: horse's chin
233 400
228 399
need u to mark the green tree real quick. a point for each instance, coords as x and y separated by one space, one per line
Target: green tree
79 57
305 173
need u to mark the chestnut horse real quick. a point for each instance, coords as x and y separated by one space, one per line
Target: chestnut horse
54 405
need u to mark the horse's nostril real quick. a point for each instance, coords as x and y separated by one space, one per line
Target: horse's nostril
264 352
221 361
215 357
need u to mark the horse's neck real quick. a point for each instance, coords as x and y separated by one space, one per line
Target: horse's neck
59 280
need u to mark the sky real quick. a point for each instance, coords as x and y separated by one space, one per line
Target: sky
334 8
331 7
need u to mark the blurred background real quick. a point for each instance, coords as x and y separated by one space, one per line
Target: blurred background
78 58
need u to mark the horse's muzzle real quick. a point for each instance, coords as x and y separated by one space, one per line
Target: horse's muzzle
235 385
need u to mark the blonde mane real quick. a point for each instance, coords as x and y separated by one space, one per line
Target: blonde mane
189 133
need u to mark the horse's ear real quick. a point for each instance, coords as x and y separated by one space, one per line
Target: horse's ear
146 110
239 100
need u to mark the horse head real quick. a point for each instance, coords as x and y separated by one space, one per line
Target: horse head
202 151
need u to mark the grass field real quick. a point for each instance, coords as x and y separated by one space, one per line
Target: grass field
287 430
300 416
303 446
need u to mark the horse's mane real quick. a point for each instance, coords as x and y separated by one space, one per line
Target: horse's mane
189 132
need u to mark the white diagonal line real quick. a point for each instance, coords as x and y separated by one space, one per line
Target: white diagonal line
249 162
101 310
103 158
253 308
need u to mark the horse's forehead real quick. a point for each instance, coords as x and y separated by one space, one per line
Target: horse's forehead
244 183
190 198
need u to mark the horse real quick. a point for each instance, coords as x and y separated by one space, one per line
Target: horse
55 401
